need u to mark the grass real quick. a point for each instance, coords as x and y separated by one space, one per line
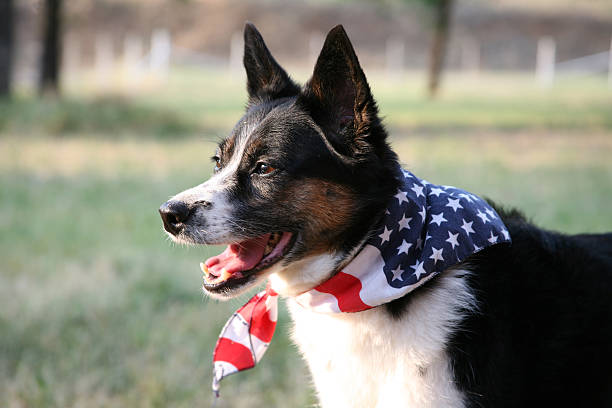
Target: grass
98 309
511 101
113 116
204 102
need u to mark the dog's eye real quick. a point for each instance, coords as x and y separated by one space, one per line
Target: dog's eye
217 161
264 168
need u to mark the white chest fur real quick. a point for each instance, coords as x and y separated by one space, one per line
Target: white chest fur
368 359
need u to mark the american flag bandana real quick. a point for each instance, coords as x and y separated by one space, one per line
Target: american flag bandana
245 337
427 228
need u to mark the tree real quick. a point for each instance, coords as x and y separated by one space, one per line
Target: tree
441 12
51 57
6 45
441 26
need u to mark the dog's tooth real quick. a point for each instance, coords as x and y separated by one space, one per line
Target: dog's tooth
225 274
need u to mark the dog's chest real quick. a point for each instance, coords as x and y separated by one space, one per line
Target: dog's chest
369 359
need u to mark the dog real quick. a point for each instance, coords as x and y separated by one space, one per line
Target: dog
299 190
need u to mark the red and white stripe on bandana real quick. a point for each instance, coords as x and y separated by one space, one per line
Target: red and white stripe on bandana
245 337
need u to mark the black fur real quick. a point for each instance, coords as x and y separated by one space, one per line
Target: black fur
542 335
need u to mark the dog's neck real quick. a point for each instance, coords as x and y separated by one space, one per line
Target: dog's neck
305 274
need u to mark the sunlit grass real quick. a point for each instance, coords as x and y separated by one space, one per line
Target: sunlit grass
506 101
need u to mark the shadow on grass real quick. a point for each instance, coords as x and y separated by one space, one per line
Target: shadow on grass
111 116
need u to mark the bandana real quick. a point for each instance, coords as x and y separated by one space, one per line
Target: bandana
426 229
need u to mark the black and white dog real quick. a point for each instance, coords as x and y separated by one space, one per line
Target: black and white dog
300 186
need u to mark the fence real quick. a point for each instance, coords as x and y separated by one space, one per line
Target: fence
547 69
137 58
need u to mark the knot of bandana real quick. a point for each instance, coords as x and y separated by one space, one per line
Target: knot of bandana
426 229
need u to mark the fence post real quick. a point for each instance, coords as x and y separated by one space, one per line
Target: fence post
103 59
470 55
72 56
545 63
161 49
610 66
315 44
132 59
394 53
236 51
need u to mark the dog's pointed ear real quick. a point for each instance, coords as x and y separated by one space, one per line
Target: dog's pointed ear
266 80
338 96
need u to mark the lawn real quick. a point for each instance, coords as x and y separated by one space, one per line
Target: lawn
98 308
203 102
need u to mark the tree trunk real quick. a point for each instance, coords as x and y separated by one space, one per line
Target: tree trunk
50 64
6 45
443 10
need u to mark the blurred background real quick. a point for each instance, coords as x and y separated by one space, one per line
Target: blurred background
108 107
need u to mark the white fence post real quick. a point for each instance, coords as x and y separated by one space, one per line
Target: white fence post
315 44
103 59
394 56
132 59
545 63
236 52
610 65
72 55
470 55
161 49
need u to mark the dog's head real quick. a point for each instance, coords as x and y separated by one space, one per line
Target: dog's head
300 181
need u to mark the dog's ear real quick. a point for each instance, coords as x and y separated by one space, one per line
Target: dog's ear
266 80
338 96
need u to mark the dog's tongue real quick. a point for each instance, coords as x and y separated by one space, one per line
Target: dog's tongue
239 257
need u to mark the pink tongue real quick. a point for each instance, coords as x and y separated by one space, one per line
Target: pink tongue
239 257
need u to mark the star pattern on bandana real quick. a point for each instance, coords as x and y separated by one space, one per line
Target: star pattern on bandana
467 227
404 223
436 255
428 228
397 273
404 247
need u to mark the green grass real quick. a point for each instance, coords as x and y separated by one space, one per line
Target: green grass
113 116
467 102
204 102
98 308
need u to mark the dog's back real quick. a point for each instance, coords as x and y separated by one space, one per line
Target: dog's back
542 333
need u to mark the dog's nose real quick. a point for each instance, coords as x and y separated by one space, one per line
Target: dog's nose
174 214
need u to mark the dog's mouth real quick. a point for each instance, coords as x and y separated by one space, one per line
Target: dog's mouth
241 261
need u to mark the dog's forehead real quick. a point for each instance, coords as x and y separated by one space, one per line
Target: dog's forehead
260 123
241 131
